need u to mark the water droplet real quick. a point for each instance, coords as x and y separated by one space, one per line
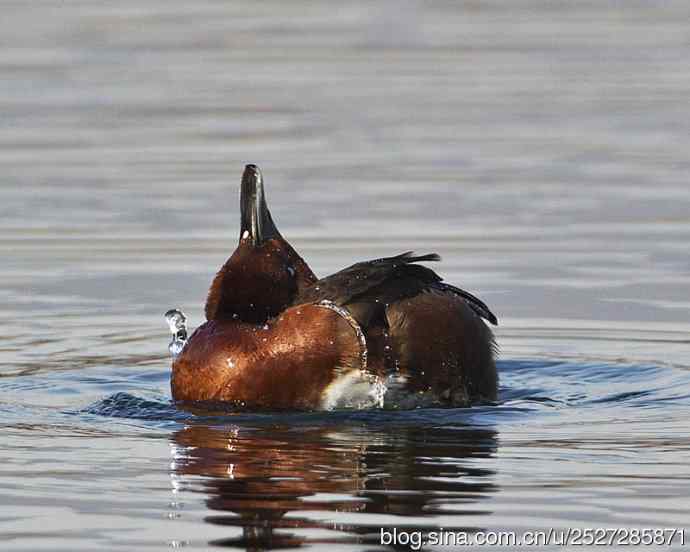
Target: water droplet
175 347
265 326
235 316
177 323
231 363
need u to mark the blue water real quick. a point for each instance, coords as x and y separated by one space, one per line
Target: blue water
567 444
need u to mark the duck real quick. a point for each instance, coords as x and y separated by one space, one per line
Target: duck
382 333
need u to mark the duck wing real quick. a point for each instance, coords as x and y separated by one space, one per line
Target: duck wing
384 281
360 279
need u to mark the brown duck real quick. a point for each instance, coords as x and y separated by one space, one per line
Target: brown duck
386 332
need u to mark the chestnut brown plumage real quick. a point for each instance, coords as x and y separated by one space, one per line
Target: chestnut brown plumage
276 337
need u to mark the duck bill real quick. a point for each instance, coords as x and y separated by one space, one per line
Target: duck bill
257 226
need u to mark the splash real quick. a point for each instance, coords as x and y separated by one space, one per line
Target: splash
177 322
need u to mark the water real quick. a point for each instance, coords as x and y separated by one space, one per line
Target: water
541 148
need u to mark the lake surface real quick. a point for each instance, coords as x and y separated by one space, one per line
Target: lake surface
542 148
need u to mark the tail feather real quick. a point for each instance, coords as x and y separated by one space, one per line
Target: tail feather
407 258
430 257
476 304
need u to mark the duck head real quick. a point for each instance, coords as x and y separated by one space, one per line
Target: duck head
264 274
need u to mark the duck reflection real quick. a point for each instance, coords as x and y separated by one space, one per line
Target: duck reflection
274 480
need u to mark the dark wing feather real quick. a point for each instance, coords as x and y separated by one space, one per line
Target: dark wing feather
351 283
477 305
384 281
